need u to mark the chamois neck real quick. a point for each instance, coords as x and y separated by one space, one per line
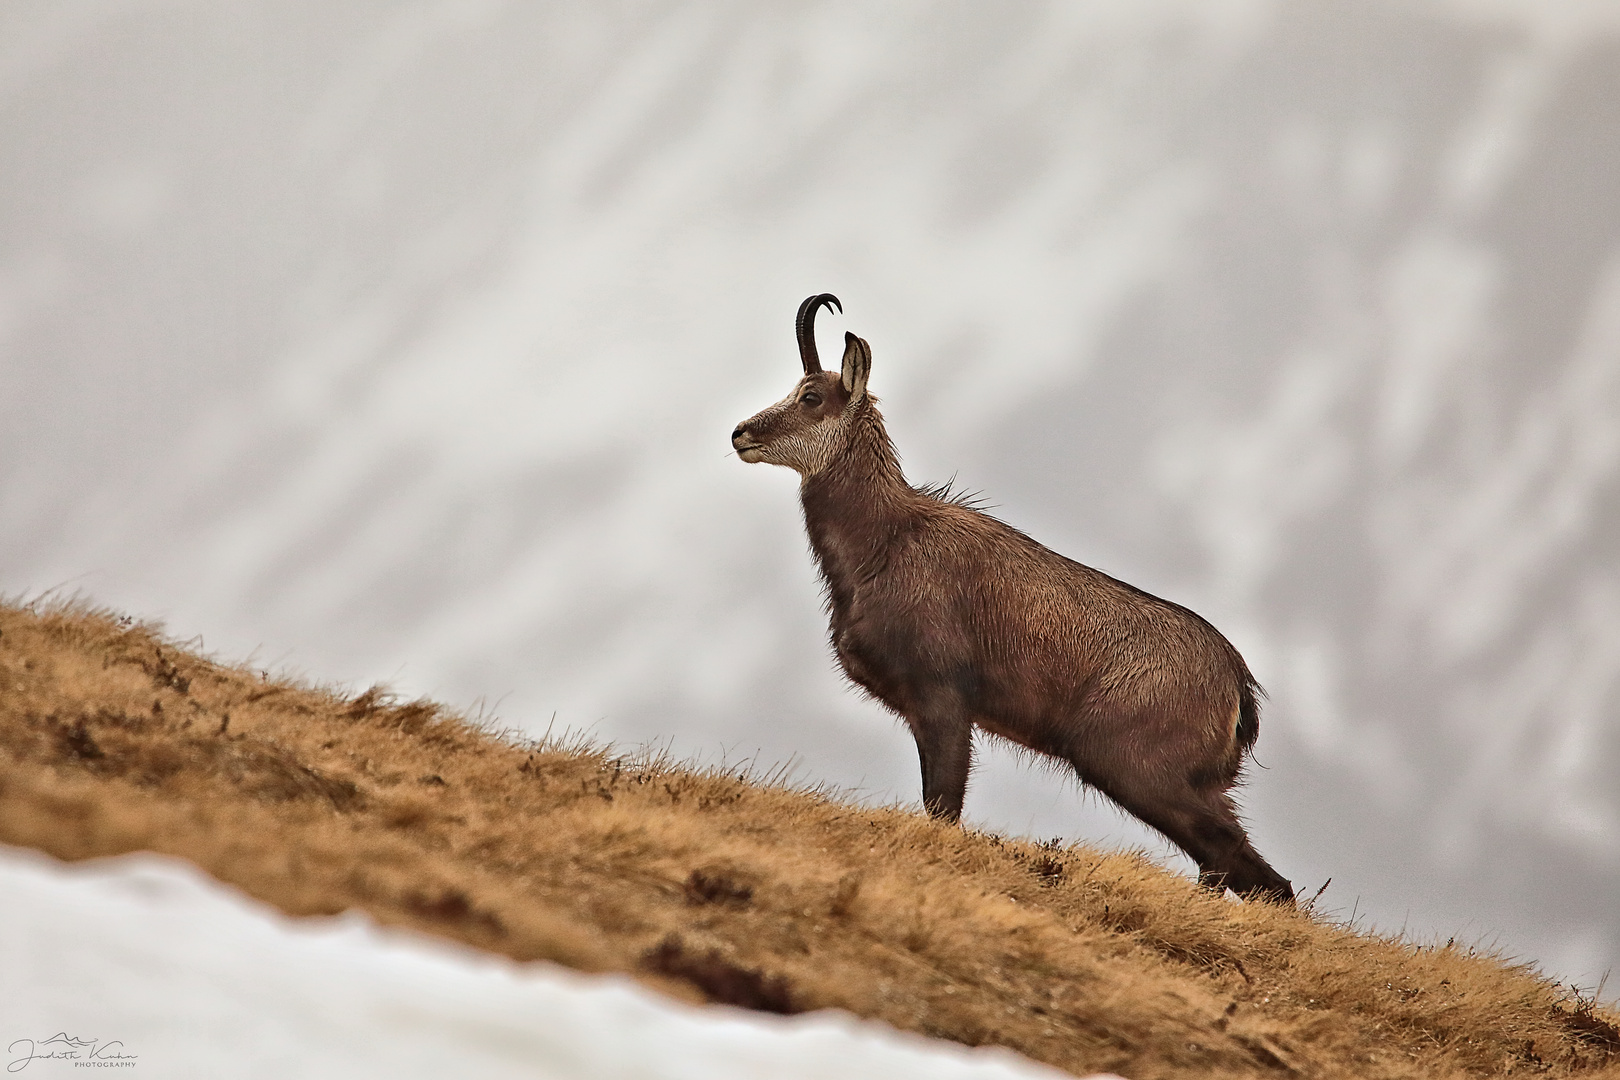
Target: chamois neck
854 507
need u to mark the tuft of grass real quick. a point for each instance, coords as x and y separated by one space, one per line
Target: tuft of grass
713 885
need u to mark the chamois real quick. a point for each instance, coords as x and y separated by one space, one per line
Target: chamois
952 618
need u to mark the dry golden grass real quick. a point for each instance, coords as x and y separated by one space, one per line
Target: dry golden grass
711 886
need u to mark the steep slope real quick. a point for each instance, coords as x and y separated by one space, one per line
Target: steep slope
715 886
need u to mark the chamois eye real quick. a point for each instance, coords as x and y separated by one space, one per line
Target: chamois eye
810 398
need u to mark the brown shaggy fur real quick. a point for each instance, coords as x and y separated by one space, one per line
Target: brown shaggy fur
954 619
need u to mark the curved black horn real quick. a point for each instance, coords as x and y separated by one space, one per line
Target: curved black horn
805 327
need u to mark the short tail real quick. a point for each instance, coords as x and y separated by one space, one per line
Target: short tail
1248 725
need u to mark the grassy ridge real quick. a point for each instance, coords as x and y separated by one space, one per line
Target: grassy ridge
712 886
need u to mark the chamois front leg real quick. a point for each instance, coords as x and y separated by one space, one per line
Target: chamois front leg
944 737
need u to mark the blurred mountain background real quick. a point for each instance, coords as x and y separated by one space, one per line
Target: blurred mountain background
402 342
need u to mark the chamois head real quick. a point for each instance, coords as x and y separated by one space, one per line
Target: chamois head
806 429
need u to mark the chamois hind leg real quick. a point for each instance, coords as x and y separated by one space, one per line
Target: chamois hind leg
1237 866
1204 824
944 737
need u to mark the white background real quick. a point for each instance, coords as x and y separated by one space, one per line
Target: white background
402 342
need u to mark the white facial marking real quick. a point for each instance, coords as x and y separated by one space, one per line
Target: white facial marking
790 433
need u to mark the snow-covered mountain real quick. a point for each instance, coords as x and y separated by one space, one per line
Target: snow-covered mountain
403 344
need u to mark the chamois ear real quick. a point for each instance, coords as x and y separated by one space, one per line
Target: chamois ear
857 366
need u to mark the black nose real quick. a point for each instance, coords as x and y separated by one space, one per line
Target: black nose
737 434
